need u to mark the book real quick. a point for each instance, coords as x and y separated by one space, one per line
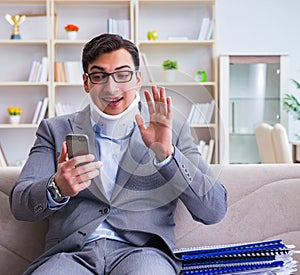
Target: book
191 114
3 160
59 71
63 108
59 109
204 152
241 258
121 27
198 113
43 111
37 112
209 112
200 146
33 69
201 113
145 69
39 70
204 28
210 30
44 69
196 116
73 71
210 150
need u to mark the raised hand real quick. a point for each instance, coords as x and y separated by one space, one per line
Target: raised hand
158 135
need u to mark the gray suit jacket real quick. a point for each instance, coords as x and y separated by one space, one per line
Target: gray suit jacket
144 199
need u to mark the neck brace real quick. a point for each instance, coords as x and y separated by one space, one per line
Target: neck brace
115 126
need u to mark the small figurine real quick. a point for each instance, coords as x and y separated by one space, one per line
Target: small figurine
15 21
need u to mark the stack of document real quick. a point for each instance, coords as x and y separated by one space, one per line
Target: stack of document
267 257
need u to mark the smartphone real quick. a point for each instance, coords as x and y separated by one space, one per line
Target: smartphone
78 145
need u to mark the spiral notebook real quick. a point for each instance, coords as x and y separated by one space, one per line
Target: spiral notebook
246 258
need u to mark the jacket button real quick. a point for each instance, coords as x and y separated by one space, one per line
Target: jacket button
104 210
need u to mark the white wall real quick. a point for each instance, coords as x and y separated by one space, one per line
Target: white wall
261 26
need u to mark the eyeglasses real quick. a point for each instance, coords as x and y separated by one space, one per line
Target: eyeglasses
118 77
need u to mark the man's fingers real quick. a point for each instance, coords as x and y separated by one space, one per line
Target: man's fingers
150 102
140 123
169 107
64 153
163 102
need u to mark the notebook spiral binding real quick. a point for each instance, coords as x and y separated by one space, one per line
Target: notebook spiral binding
237 258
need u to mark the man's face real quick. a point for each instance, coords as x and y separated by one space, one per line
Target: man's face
113 98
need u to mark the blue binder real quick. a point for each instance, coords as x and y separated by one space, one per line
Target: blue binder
236 258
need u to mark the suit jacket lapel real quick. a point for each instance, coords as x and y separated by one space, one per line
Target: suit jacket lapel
82 125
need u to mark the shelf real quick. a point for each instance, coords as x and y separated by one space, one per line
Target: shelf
211 125
176 42
23 42
18 126
22 83
102 2
242 134
253 98
190 84
67 84
23 2
69 42
177 2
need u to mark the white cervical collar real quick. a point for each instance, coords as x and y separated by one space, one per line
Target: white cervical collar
115 126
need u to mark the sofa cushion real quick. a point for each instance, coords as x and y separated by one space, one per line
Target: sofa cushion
20 242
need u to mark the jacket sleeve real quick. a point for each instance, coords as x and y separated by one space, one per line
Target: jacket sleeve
28 198
199 189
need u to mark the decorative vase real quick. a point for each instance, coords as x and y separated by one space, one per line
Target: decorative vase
72 35
170 75
14 119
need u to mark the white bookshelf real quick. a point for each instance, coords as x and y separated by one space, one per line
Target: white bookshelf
50 39
181 20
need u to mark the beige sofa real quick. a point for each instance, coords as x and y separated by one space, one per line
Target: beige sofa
264 203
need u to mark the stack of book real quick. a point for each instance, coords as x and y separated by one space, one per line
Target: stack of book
39 70
40 111
206 149
68 71
64 108
201 113
207 28
121 27
272 256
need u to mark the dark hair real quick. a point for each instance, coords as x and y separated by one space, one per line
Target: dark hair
107 43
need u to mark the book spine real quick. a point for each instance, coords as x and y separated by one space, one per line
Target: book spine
43 111
3 160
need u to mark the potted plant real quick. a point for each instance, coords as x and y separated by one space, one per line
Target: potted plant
71 31
292 105
14 114
170 67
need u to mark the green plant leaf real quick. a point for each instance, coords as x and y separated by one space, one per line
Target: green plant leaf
170 65
291 104
296 83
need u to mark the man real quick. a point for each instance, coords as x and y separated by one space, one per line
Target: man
114 214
